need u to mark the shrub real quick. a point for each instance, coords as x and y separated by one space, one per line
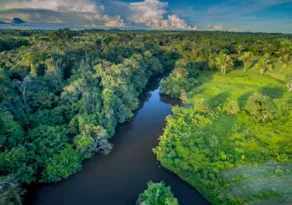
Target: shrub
260 107
231 107
202 106
158 194
62 165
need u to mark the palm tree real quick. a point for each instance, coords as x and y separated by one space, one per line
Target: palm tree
269 49
246 57
285 60
289 85
239 49
263 65
224 63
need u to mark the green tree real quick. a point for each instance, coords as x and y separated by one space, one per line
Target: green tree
269 49
289 83
285 59
246 57
263 65
22 87
44 141
231 107
260 107
85 144
62 165
10 190
239 49
202 106
224 63
157 194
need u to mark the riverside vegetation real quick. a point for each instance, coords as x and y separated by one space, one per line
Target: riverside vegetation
64 92
233 141
157 194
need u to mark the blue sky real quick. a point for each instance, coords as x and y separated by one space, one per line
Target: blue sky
228 15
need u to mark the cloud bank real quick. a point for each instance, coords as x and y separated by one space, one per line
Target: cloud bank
218 27
75 13
55 5
150 14
227 15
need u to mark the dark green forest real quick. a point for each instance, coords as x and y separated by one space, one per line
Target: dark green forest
63 93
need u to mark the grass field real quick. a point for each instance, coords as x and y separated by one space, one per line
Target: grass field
233 159
239 85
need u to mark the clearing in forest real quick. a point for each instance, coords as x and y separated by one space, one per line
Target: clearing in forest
228 154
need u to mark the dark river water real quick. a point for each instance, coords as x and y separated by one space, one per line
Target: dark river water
118 178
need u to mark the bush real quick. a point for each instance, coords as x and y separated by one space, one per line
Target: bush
157 194
202 106
62 165
260 107
231 107
85 144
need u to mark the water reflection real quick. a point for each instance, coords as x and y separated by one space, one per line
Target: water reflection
169 100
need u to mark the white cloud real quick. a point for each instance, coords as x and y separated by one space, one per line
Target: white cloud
55 5
73 12
113 21
94 13
150 13
218 27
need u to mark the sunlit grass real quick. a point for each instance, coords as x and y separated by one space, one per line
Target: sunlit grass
239 85
199 146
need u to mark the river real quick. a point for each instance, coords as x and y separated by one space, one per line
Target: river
118 178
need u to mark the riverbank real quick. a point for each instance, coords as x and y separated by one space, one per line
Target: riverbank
221 149
119 177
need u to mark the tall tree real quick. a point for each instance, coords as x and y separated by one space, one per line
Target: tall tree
263 65
224 63
239 49
246 57
285 59
289 83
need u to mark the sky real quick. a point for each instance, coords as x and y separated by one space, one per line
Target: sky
220 15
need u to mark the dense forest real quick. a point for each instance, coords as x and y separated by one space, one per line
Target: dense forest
64 92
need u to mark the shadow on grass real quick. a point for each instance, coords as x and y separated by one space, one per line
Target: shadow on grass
243 99
221 126
253 63
273 92
219 99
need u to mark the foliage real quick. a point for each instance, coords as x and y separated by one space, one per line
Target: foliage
246 57
231 107
10 190
182 79
62 165
260 107
157 194
285 59
263 65
201 106
224 63
248 129
62 94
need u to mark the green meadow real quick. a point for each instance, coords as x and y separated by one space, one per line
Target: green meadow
233 140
